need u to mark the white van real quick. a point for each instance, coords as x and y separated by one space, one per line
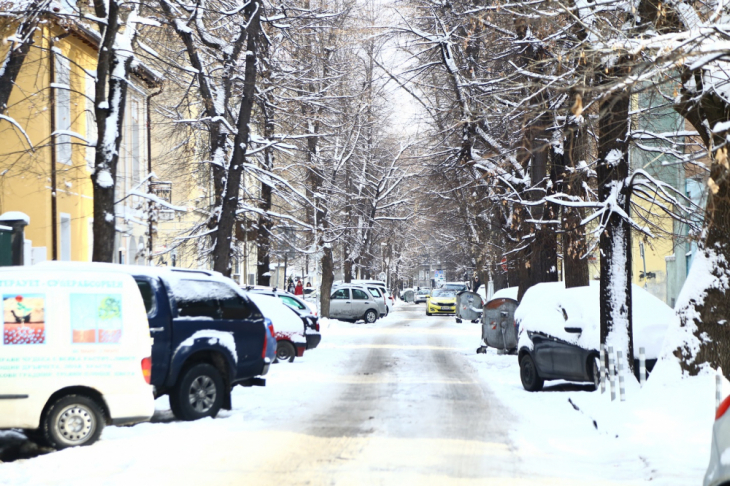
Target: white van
75 353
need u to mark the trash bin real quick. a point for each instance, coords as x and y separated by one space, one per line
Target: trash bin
498 323
468 306
6 253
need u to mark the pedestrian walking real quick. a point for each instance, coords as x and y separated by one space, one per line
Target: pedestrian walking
290 286
299 289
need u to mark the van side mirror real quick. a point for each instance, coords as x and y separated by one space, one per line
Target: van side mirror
573 330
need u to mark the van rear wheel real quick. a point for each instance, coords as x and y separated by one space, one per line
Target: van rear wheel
72 420
198 393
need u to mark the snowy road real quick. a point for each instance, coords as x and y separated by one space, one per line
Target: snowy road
404 401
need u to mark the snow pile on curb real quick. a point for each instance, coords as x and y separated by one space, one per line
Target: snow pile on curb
661 433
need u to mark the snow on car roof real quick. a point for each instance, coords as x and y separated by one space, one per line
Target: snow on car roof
550 307
283 317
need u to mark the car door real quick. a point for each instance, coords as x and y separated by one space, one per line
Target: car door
361 302
377 296
542 353
157 304
567 360
339 299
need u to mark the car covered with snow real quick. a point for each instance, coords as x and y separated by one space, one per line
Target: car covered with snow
559 332
291 342
207 335
305 309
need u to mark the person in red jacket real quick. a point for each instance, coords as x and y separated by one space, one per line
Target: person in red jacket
299 289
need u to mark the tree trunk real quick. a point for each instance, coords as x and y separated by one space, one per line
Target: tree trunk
703 305
328 277
570 182
615 239
229 204
540 260
109 118
263 239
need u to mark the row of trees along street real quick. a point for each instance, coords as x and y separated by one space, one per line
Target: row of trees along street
526 116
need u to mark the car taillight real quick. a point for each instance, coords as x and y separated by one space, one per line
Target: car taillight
722 408
147 369
270 325
316 326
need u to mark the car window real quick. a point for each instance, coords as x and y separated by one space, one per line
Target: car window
375 292
341 294
215 300
148 297
291 302
359 294
234 307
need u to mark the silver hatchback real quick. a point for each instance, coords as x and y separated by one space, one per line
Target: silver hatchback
353 303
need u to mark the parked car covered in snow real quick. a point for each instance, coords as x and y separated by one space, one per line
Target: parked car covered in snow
559 332
75 353
305 309
207 336
291 341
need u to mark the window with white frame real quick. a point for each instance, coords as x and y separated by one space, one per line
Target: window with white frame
90 93
63 109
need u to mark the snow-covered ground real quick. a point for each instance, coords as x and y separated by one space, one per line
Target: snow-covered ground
404 401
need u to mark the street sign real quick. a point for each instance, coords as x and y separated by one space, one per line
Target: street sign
382 276
504 263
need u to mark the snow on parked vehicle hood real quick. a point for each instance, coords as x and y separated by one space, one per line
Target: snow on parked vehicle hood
284 319
550 308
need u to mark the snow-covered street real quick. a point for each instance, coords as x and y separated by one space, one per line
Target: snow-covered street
404 401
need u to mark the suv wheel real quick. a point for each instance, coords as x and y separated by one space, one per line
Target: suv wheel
285 351
72 420
198 393
370 316
531 381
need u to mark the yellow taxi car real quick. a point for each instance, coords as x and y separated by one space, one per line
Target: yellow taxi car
441 301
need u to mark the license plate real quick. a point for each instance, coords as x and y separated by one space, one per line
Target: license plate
445 307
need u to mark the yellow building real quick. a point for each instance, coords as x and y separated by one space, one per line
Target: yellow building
45 168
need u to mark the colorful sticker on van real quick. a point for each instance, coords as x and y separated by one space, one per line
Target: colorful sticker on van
24 319
96 318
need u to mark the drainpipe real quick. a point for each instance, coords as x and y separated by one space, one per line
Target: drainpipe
149 169
54 199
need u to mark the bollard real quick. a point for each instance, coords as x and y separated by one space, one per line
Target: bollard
603 368
718 390
621 384
642 366
611 373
